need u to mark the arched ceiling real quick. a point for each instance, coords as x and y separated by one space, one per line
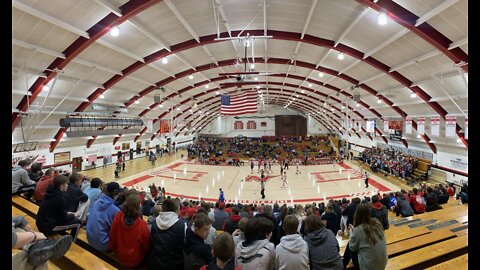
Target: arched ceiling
66 45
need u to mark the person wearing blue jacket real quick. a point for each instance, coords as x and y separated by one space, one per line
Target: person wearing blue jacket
101 216
221 198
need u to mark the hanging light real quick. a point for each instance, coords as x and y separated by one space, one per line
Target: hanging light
252 66
164 60
256 78
309 85
413 95
207 86
45 88
258 86
115 31
102 96
382 19
216 92
358 105
303 91
340 56
320 74
137 102
190 77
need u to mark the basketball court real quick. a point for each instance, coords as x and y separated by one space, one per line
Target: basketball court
315 183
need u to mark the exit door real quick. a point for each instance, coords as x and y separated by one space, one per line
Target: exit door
77 164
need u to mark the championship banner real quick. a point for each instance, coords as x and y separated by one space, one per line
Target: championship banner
149 126
421 125
450 124
408 125
435 125
164 126
466 128
385 125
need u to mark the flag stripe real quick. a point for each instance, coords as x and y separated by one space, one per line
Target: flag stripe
240 104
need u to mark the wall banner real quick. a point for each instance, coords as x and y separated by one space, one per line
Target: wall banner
450 124
408 125
421 125
385 125
435 125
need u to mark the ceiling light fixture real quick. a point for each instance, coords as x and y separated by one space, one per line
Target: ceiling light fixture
340 56
413 95
115 31
382 19
258 86
164 60
256 78
45 88
309 85
320 74
252 66
137 102
418 136
358 105
207 86
303 91
102 96
190 77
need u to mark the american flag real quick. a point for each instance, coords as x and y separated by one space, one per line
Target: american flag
243 103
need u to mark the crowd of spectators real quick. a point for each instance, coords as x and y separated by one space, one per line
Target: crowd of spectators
390 160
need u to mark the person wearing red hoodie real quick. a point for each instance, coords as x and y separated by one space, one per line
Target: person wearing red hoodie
129 236
231 223
450 190
416 202
43 184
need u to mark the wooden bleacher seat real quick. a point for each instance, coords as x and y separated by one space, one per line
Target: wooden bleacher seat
401 247
429 255
458 263
76 256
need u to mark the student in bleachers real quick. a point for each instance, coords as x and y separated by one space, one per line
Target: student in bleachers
220 216
223 251
101 216
36 249
256 252
463 195
196 252
42 185
403 207
231 223
380 212
94 191
35 172
331 218
21 183
443 197
166 238
368 240
129 237
52 211
151 219
322 245
350 210
239 234
74 197
292 251
416 202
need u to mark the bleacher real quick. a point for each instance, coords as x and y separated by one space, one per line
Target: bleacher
432 240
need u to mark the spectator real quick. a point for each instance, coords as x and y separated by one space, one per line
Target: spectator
267 212
36 249
129 237
256 252
21 183
403 207
368 241
386 200
322 245
220 216
451 189
239 234
463 195
292 252
196 252
85 183
350 210
223 251
380 212
94 191
443 197
331 218
231 224
416 202
35 172
101 216
432 204
147 205
74 195
151 219
166 251
42 185
52 211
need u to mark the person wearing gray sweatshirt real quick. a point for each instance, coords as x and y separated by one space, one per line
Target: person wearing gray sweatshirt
323 247
292 252
21 183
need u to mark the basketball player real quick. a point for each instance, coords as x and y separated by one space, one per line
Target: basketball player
262 187
296 165
269 166
286 164
281 169
251 166
285 182
366 180
334 162
258 164
265 164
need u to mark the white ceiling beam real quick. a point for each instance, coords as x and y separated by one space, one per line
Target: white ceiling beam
379 75
27 9
436 10
444 75
350 26
120 50
28 45
135 23
415 60
185 62
97 66
309 17
356 61
458 43
225 23
386 42
141 80
109 7
155 66
179 16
